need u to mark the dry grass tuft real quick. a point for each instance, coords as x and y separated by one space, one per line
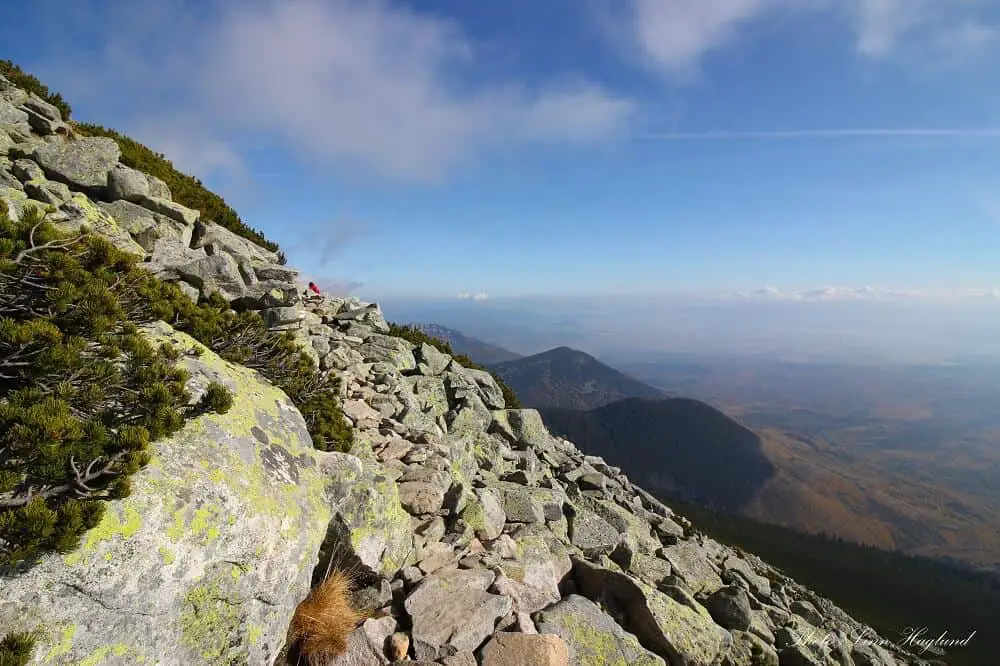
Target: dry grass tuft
324 620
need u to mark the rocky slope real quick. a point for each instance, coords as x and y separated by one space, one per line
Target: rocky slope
483 538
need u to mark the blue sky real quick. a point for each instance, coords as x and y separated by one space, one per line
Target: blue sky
778 149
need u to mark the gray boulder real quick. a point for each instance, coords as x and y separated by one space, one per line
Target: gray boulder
42 108
421 497
591 533
367 513
127 183
431 362
277 273
453 612
682 635
168 208
270 294
147 228
27 170
83 164
216 238
396 351
206 560
592 637
730 607
217 273
47 191
13 119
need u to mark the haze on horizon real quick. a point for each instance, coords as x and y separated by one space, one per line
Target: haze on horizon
649 327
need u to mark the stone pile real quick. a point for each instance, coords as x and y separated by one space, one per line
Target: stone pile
480 538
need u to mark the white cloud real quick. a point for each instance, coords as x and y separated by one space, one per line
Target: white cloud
867 293
673 36
470 296
880 23
340 82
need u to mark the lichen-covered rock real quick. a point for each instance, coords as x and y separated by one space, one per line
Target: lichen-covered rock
13 118
430 361
205 561
147 228
168 208
367 508
683 635
730 607
128 184
592 637
690 562
390 349
81 213
82 163
591 533
214 239
215 274
521 427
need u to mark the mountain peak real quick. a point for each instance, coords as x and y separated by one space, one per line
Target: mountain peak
570 379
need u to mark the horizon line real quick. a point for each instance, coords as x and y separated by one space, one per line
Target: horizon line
887 132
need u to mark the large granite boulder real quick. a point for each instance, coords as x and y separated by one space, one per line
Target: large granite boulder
147 228
206 560
453 612
593 637
216 238
683 634
367 513
83 164
218 273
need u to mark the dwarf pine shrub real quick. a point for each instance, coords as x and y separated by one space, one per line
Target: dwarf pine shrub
82 392
26 81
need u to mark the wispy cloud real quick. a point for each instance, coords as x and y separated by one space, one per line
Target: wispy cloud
674 36
846 133
868 293
368 85
476 296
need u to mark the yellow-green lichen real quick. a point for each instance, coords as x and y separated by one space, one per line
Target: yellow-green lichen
176 529
112 524
102 653
167 555
595 647
254 633
211 624
64 645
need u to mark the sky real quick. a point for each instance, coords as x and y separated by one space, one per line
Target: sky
766 150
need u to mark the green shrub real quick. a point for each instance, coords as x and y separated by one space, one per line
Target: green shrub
82 392
185 189
244 338
16 649
417 337
22 79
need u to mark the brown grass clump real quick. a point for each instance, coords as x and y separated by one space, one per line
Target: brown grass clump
324 620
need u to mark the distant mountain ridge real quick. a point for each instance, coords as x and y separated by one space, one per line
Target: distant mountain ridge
565 378
479 351
677 445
